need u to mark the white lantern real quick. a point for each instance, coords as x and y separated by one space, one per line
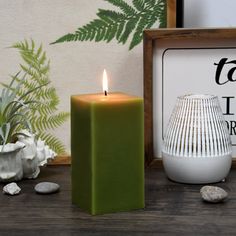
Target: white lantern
197 147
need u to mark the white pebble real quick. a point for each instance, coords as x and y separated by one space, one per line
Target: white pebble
11 189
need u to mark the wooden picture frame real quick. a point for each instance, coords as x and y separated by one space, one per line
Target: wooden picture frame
174 13
152 38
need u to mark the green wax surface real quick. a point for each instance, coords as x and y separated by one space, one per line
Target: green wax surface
107 152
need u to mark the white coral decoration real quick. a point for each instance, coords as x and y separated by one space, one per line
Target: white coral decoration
35 154
44 153
29 157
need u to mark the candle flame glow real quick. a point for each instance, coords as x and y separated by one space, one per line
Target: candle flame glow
105 82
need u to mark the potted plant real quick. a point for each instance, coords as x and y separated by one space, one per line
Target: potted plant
13 118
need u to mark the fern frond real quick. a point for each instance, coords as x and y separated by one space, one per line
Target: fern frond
21 45
32 45
53 142
150 3
162 14
44 114
120 29
145 22
139 4
67 38
39 51
138 35
58 119
129 27
35 59
125 7
111 33
49 123
120 25
43 109
111 15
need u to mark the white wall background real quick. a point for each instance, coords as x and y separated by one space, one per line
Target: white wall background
209 13
76 67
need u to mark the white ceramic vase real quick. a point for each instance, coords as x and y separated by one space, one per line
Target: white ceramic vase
197 147
23 158
10 162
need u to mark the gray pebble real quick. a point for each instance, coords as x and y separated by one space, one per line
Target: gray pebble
46 187
213 194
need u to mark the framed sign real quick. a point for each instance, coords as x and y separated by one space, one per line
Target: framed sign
186 61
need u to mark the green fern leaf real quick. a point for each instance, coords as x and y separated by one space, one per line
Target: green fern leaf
111 33
44 123
131 19
105 17
112 15
150 3
120 30
146 21
126 8
58 119
39 51
44 114
54 143
67 38
139 4
129 27
32 45
138 35
162 14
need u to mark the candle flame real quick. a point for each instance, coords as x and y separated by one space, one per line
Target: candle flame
105 82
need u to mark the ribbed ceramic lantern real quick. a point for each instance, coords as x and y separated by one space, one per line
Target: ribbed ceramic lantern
197 147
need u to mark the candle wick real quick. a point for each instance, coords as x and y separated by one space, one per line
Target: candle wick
105 93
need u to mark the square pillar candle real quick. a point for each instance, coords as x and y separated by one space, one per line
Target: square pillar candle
107 148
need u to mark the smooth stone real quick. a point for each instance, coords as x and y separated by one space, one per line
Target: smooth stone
213 194
11 189
46 187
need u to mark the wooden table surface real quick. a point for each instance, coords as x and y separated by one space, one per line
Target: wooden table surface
171 209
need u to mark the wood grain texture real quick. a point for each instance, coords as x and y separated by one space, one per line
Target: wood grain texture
154 163
171 209
61 160
148 109
171 13
185 33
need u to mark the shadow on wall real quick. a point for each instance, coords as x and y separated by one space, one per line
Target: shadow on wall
192 13
131 65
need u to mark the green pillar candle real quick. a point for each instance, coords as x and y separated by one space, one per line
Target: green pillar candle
107 148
